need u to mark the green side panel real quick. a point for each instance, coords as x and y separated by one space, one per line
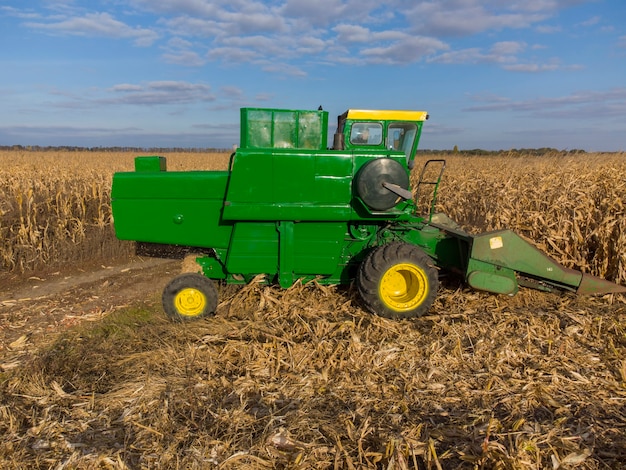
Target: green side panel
181 208
317 247
170 184
253 249
309 249
292 250
283 128
288 185
507 249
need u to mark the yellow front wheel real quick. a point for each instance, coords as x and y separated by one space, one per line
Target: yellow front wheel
189 296
398 280
190 302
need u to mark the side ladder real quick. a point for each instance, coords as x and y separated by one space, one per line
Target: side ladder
430 177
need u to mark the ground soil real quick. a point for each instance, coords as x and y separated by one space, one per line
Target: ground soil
35 308
304 378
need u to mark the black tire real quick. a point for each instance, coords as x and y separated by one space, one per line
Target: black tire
189 296
398 280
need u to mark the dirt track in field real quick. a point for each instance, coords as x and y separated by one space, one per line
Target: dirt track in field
34 309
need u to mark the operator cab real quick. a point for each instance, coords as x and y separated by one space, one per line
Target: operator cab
380 130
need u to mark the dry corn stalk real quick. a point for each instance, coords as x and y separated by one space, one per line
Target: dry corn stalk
571 207
55 206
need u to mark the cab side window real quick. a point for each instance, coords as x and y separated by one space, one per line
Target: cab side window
400 136
366 133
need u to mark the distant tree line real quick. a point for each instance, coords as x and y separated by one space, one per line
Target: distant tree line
538 152
72 148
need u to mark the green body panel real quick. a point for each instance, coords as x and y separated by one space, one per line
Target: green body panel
310 239
275 184
289 250
282 185
181 208
253 249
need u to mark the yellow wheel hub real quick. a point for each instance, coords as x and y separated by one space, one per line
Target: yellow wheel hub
190 302
404 287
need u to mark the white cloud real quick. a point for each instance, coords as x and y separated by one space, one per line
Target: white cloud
531 68
232 54
165 92
543 5
351 33
462 56
243 23
466 17
180 51
97 24
193 27
295 33
310 45
126 87
179 43
407 49
263 97
14 12
232 91
187 58
548 29
594 20
263 45
575 105
504 52
507 48
317 12
284 69
198 8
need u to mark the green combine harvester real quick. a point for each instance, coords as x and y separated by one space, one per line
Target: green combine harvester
288 208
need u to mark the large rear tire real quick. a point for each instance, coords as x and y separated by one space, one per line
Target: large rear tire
398 280
189 296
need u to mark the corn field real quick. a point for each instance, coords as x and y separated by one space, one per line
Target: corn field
303 378
55 207
571 208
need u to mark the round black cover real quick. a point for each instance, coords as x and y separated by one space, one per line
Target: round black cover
370 179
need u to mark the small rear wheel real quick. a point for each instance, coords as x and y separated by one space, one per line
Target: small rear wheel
397 280
189 296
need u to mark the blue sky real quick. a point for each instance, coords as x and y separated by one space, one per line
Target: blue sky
492 74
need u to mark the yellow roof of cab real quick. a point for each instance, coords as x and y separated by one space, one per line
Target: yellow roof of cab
387 114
